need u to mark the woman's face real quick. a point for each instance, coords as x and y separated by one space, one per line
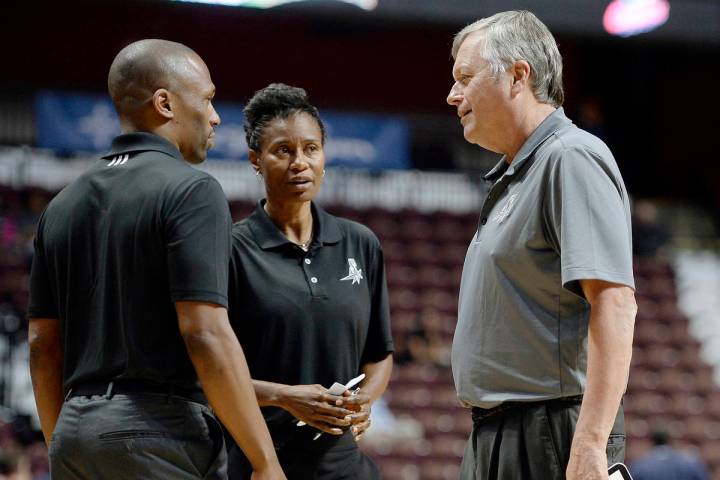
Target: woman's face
291 158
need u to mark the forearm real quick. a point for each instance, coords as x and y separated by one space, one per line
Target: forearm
223 373
269 394
48 389
46 361
612 318
377 376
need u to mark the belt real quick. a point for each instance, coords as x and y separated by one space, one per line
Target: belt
135 387
480 414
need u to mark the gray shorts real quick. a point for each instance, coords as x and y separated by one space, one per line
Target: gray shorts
139 436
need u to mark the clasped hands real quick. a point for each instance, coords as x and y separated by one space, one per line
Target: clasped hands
328 413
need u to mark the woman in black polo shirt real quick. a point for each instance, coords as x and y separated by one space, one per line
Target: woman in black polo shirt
308 300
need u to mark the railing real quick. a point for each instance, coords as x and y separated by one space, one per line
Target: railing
390 189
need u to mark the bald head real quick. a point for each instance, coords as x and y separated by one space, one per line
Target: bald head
145 66
165 88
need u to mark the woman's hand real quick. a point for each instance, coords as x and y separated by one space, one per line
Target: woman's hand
314 406
360 403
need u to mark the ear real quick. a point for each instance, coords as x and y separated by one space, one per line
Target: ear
162 103
520 73
254 160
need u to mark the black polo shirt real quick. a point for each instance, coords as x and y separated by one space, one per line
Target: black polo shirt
308 317
139 230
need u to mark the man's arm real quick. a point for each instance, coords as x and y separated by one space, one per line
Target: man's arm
46 365
612 320
221 367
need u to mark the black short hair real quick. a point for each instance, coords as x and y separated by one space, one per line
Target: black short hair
277 100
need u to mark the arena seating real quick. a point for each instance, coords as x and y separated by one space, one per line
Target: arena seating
424 253
669 384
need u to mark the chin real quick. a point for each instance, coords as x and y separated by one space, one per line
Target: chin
197 158
307 196
471 137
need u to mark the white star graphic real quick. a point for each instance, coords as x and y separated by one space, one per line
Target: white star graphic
354 274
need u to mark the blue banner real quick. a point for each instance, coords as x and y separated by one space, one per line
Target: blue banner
78 122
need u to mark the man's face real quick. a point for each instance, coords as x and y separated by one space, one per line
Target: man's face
194 115
482 101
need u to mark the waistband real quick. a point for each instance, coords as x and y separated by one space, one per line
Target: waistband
135 387
480 414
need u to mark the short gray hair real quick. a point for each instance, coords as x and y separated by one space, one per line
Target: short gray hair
520 35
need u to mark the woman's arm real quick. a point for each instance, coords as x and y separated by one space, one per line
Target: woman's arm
309 403
377 376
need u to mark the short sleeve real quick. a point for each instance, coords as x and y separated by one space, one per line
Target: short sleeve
379 341
42 302
198 244
587 219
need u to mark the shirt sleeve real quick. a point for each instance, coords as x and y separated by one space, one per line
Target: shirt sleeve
587 217
198 244
42 302
379 341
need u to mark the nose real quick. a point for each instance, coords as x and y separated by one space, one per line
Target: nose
454 97
214 117
299 162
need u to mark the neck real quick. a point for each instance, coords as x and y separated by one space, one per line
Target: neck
164 130
526 123
293 219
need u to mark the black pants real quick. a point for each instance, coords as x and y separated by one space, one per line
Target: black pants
530 442
128 437
302 458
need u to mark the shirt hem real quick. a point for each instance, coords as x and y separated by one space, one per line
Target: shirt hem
218 299
576 274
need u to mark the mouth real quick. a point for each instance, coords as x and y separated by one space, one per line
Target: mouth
301 183
464 114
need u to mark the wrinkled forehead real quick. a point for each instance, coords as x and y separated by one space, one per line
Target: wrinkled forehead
296 126
470 54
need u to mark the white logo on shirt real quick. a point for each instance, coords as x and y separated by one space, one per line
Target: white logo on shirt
119 160
506 209
354 274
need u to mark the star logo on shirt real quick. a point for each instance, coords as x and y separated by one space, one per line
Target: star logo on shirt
506 209
354 274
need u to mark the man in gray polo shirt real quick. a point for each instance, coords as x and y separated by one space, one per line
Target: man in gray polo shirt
546 313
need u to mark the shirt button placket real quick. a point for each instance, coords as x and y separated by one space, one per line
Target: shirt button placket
313 279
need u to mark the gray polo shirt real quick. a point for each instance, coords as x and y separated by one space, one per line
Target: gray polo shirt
558 214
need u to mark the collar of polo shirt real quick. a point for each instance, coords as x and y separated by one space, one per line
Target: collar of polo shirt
544 131
268 235
142 142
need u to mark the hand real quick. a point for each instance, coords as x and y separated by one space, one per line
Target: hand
314 406
273 472
360 420
587 462
355 402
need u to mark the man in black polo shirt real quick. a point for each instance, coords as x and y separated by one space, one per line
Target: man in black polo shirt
129 294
